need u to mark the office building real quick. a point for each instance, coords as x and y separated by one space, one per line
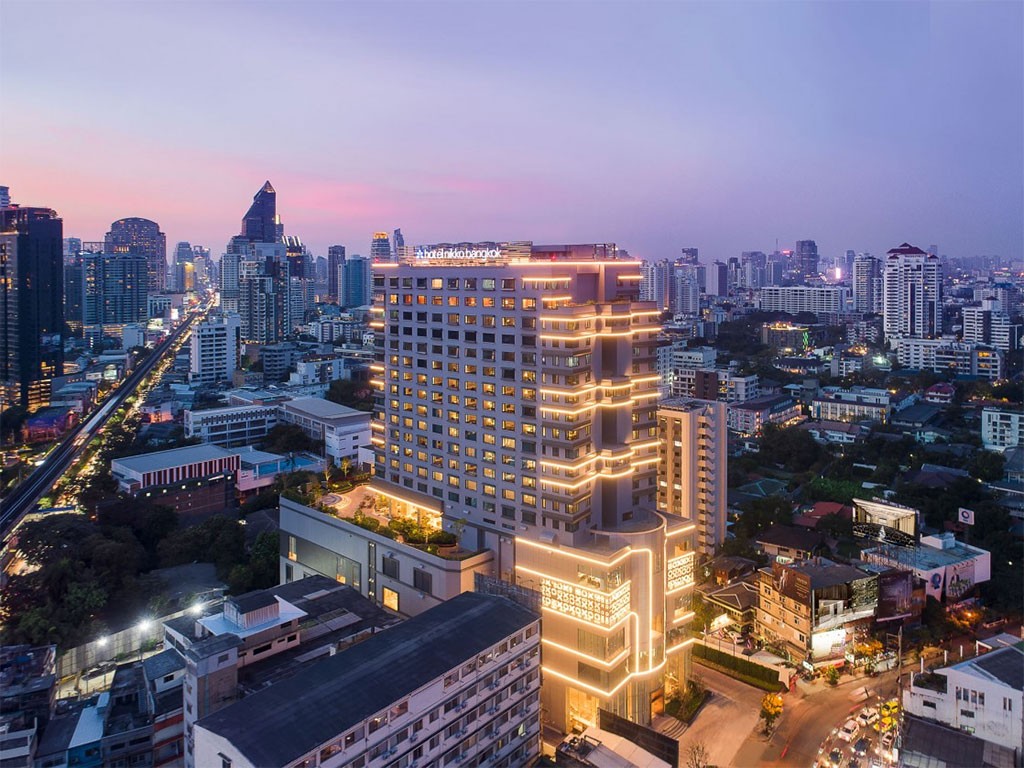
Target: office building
458 684
867 284
517 395
1001 429
234 426
355 282
5 197
196 481
911 294
718 279
215 349
825 301
31 303
982 696
380 247
141 237
692 468
814 608
806 256
342 430
261 224
230 264
398 245
335 262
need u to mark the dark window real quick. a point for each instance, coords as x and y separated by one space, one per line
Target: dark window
390 567
422 580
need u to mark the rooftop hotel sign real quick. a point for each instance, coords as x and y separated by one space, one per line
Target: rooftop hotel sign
481 252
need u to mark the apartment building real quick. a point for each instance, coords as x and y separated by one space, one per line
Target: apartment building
233 426
854 404
911 293
517 396
692 471
215 350
751 417
1001 429
825 301
341 429
964 358
459 684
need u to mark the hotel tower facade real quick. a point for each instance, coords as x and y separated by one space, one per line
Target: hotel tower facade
517 407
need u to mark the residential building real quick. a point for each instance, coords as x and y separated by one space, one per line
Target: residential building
786 338
197 481
924 742
335 262
949 569
867 284
341 429
279 359
982 696
678 357
105 291
692 470
1001 429
214 349
517 395
823 301
786 544
31 304
232 427
355 282
814 608
854 404
989 324
836 432
911 293
944 355
28 689
459 683
143 238
751 416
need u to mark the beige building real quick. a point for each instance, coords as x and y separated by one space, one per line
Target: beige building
692 471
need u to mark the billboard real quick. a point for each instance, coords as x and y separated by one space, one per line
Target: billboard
959 579
885 523
794 584
895 595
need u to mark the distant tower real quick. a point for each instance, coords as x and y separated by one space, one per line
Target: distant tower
261 224
806 255
31 304
397 244
335 261
143 238
5 197
911 293
380 248
867 284
691 255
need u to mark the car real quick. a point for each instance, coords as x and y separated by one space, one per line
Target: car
849 730
835 757
862 745
887 740
867 717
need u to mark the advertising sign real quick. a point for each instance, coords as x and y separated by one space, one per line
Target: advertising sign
966 516
792 583
959 579
895 595
885 523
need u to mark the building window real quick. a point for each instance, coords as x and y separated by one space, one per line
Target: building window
390 599
422 580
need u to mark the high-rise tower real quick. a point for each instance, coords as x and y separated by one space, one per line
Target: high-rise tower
335 261
144 238
517 405
31 303
261 224
911 293
380 247
867 284
806 256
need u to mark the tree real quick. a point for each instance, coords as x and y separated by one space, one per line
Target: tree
289 438
697 756
346 465
987 465
771 708
350 393
41 541
832 676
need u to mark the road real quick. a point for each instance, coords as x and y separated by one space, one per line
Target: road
24 497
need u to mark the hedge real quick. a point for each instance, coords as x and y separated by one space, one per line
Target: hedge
744 669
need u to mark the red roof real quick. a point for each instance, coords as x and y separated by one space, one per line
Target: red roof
823 508
906 249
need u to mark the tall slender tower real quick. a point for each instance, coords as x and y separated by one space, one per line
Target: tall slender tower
144 238
517 391
335 261
912 293
380 247
31 303
806 256
867 284
261 224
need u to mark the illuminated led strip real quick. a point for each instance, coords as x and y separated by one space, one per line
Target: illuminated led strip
579 654
581 409
377 440
547 279
377 367
642 462
684 644
567 391
599 691
574 585
608 387
629 277
645 395
556 298
558 465
649 444
377 425
684 617
645 379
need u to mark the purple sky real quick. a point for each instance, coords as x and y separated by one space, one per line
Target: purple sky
656 126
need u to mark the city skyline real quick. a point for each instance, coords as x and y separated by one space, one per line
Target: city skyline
724 127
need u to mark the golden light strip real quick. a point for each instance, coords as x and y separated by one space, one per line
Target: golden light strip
567 391
377 440
684 617
546 279
643 462
579 654
645 379
629 277
556 298
569 411
570 583
569 486
648 444
559 465
688 641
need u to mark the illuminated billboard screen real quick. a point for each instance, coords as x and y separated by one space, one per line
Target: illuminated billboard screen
885 523
794 584
895 595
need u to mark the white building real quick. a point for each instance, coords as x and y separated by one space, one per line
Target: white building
233 426
989 324
853 404
214 350
1001 429
982 696
911 293
867 284
517 396
676 358
943 355
693 468
343 430
948 568
825 300
456 684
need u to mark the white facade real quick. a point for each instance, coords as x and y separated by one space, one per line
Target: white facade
343 430
867 284
231 427
981 696
214 350
674 359
854 404
989 324
911 294
1001 429
693 468
942 355
796 299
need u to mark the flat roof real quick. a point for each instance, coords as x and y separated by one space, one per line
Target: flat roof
1004 664
176 457
219 625
321 408
280 723
926 558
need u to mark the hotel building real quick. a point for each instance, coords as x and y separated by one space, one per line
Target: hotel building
517 406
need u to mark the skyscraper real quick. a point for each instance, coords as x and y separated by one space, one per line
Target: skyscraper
183 255
397 244
867 284
380 247
517 404
5 197
806 256
142 237
355 282
215 347
31 303
261 224
335 260
911 293
104 291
